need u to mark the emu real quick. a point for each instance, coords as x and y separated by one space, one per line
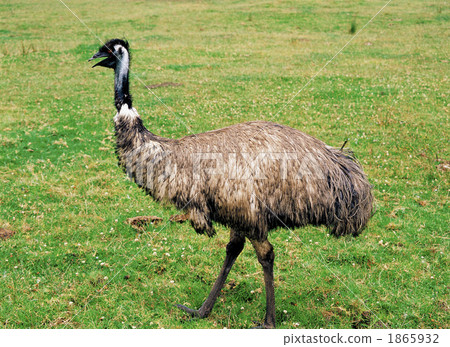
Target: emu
251 177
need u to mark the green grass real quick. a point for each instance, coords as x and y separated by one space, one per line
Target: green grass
63 194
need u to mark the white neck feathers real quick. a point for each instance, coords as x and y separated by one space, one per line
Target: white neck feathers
126 114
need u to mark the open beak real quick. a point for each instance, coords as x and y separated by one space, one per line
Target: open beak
108 62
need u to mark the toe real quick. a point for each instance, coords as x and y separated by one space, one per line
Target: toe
190 311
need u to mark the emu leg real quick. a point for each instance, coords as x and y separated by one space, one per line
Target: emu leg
234 248
266 256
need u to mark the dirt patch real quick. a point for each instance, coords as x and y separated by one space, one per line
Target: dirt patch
140 222
6 233
179 218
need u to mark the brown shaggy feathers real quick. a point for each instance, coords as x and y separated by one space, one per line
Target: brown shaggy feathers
252 177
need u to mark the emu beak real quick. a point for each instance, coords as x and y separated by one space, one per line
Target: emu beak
106 62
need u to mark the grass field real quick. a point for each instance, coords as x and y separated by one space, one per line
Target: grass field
74 263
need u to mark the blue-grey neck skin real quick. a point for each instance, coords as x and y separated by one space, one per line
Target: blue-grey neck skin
121 81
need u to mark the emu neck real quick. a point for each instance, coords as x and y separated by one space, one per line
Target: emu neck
132 138
122 94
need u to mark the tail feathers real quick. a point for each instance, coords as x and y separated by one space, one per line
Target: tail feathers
353 203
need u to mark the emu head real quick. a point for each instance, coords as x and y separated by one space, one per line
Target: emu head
114 51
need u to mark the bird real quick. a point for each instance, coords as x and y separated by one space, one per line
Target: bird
252 178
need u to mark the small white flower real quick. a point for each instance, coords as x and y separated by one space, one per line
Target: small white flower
284 311
242 308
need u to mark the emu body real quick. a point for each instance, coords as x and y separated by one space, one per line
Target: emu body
252 177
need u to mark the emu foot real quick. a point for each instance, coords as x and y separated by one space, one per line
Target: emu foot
190 311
